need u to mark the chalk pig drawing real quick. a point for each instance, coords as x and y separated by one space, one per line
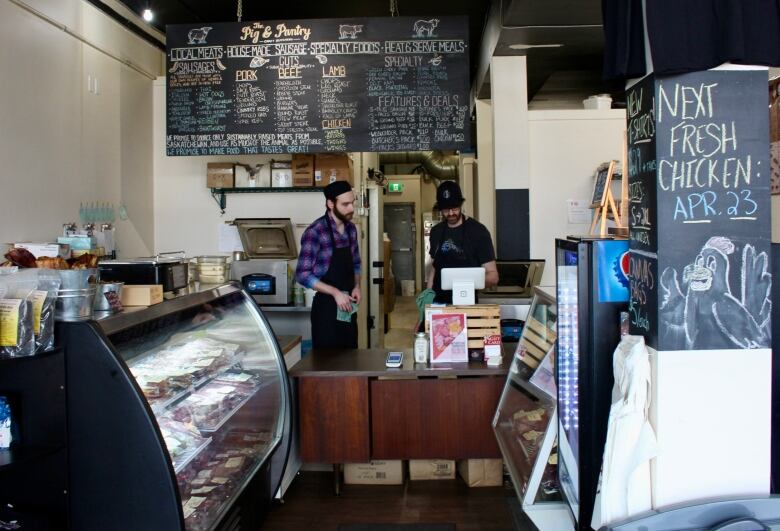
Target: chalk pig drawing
424 28
350 31
705 313
198 35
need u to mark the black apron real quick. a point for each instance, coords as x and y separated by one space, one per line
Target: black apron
327 332
449 258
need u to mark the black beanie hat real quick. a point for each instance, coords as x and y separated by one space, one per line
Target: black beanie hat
336 188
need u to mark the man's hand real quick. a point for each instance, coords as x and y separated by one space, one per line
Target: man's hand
343 301
356 296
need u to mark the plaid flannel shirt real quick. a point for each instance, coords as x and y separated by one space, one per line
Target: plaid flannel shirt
317 250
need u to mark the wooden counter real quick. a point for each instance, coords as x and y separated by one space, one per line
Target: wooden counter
353 409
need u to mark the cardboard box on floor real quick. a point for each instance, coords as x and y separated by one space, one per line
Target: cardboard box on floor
374 473
482 472
330 167
424 469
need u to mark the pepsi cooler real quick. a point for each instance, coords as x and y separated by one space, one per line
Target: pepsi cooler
592 290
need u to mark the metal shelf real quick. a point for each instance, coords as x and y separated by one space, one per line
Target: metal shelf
219 193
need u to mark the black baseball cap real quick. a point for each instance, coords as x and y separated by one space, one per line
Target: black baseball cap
448 195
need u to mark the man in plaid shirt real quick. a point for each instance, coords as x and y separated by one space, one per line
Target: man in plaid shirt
329 263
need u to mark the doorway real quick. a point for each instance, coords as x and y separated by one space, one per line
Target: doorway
401 229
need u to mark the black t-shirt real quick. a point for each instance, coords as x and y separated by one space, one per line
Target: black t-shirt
467 245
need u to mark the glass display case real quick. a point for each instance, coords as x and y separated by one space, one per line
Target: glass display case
178 412
526 420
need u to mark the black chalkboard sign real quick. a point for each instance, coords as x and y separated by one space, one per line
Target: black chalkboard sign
712 183
600 187
328 85
642 209
643 297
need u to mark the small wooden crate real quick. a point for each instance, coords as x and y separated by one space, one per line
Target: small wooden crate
481 320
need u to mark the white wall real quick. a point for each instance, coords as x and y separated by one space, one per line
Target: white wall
565 149
61 144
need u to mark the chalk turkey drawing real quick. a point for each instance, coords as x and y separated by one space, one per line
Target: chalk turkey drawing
705 313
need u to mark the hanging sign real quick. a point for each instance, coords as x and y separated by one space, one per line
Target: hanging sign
326 85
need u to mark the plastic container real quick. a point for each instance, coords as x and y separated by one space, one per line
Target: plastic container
421 348
599 101
212 269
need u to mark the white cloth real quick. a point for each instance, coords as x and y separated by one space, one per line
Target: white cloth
625 485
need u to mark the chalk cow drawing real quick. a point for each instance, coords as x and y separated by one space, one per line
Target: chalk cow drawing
705 313
424 28
198 35
350 31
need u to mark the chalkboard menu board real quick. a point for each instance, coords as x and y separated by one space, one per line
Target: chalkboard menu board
328 85
641 166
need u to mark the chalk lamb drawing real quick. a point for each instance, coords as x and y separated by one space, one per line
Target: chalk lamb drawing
350 31
705 313
198 35
424 28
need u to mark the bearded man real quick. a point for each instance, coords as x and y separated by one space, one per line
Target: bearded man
329 263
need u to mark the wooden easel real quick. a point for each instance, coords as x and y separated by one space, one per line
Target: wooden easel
604 202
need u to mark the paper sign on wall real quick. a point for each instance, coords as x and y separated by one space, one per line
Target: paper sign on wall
578 211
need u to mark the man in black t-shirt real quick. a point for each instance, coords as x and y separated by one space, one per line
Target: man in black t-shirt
458 241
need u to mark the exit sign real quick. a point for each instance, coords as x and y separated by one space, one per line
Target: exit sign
395 187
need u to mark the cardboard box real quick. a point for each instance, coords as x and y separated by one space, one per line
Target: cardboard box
52 250
281 174
302 170
374 473
141 295
220 175
424 469
482 472
330 167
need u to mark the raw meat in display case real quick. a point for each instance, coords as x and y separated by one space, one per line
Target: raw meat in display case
193 394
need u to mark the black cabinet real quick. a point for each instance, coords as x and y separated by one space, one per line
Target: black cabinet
33 475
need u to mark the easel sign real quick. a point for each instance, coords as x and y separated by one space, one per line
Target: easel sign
600 187
603 201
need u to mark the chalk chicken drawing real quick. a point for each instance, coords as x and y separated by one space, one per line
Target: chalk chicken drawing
424 28
198 35
350 31
705 313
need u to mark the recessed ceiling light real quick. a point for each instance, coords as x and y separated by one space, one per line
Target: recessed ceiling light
529 46
148 15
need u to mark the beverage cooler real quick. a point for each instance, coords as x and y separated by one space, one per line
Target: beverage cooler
178 415
592 290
